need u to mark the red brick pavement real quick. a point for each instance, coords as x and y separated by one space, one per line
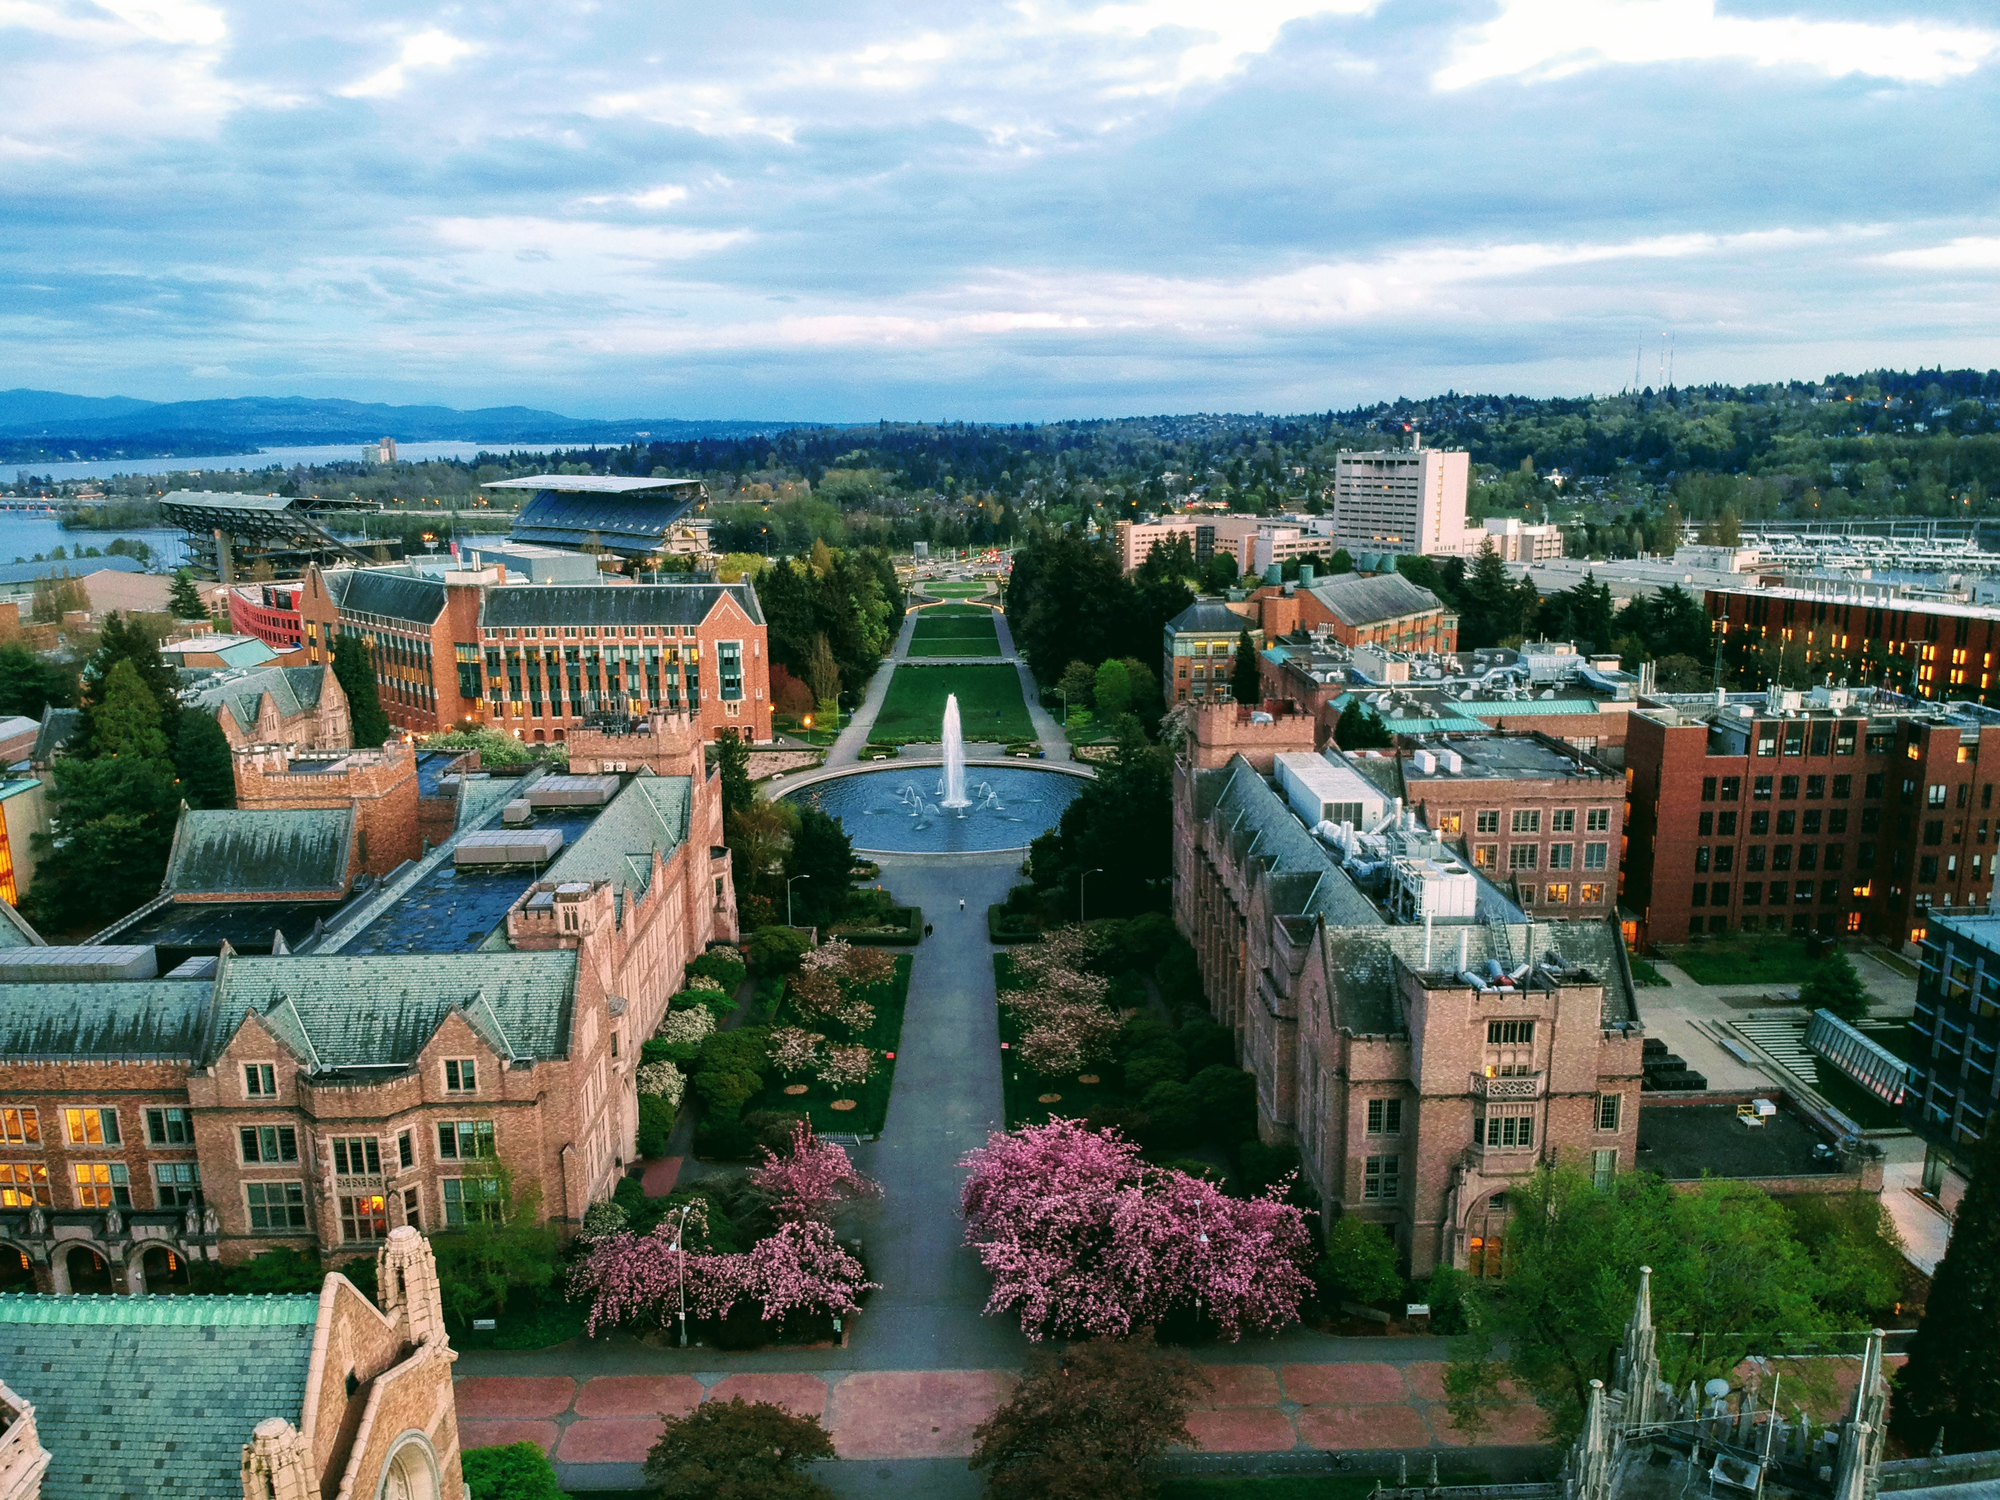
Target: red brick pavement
932 1413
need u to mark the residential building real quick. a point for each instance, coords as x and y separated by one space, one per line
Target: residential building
1401 500
227 1398
1422 1042
1950 1096
1517 541
1198 649
1831 811
1543 818
1871 634
273 705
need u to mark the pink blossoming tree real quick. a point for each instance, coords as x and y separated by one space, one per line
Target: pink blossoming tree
1083 1238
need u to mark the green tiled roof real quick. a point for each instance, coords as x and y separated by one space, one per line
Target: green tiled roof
154 1018
353 1010
651 813
141 1397
248 851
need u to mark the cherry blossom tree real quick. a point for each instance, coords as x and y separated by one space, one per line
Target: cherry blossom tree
812 1180
1082 1237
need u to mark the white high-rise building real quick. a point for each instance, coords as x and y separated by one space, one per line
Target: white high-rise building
1402 500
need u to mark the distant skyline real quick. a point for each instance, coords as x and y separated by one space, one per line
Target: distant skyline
980 211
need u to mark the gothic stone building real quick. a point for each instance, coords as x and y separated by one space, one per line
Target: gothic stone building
1418 1084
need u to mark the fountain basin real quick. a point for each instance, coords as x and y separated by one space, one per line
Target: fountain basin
898 808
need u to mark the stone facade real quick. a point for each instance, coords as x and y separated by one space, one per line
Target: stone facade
1415 1095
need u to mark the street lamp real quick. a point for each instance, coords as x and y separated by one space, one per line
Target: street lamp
788 897
1081 886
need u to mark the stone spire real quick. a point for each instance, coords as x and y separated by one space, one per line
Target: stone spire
407 1282
277 1463
1638 1357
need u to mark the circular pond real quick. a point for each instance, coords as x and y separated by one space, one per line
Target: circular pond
897 810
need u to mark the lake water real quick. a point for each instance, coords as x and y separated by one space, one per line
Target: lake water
110 468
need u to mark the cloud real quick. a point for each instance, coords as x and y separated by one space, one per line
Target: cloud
427 49
1547 39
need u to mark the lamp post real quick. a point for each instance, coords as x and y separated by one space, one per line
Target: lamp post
788 897
680 1230
1082 885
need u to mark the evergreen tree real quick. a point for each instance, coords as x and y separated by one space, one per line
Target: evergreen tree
369 726
185 599
1952 1381
1246 681
203 759
1361 728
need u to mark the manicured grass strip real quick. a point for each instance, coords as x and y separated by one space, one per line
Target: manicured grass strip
872 1098
1743 961
989 704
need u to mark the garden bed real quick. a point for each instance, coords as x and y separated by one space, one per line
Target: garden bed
871 1098
989 704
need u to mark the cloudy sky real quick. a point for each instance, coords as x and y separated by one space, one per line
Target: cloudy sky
845 209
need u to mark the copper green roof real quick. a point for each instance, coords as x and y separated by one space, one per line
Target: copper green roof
254 851
142 1397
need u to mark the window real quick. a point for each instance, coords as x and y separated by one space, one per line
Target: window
460 1076
465 1140
260 1081
1562 820
471 1200
263 1143
20 1127
406 1151
276 1205
1555 895
92 1127
169 1127
1598 820
1527 820
364 1217
24 1184
1603 1167
1560 855
1385 1116
1590 895
176 1184
1510 1033
1607 1111
1596 856
1522 856
1380 1178
357 1156
102 1185
1508 1132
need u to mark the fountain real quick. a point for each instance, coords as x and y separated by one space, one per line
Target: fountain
954 757
885 811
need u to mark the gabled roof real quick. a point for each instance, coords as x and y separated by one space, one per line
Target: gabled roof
154 1018
138 1397
615 605
358 1010
1356 601
651 813
246 852
1210 617
387 592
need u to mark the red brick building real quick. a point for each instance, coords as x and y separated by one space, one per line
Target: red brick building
1833 811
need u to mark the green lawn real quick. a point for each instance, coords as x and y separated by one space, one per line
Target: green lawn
886 1035
955 635
989 704
1743 961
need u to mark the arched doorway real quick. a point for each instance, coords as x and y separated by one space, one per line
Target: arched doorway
89 1272
1486 1237
165 1270
411 1473
17 1274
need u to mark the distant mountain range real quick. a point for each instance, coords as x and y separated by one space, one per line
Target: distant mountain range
50 426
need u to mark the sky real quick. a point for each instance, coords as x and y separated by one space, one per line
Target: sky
849 209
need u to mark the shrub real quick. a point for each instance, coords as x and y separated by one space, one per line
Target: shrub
519 1471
